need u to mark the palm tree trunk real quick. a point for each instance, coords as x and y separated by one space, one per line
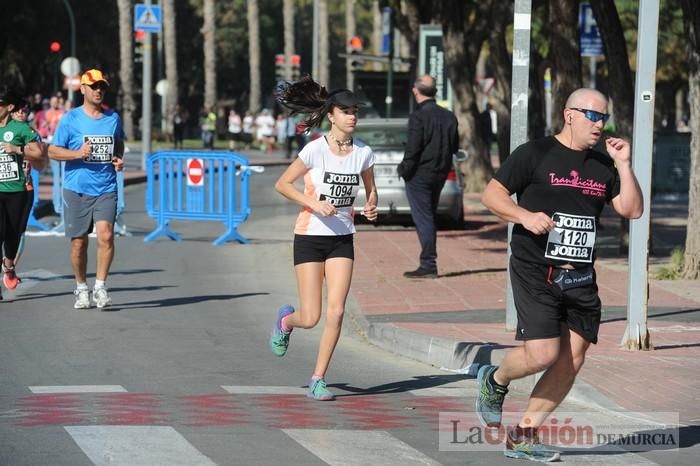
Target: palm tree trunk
126 67
254 55
350 31
170 45
288 12
209 32
323 46
691 259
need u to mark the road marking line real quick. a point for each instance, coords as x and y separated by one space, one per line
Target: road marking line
263 390
40 389
358 447
136 445
446 391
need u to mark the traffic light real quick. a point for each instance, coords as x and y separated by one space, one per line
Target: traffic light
355 45
139 39
55 46
279 67
296 66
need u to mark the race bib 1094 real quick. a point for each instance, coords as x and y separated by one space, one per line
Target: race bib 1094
572 239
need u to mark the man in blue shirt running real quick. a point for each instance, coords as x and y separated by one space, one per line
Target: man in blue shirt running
90 140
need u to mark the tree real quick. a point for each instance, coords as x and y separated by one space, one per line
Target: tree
323 45
691 260
502 13
564 55
209 33
126 66
350 31
288 13
620 82
170 46
254 55
465 28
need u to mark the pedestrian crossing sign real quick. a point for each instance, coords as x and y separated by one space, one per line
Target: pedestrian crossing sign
147 18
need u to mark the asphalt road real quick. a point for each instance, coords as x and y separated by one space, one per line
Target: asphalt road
178 371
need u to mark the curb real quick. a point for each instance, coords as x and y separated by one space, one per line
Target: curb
460 357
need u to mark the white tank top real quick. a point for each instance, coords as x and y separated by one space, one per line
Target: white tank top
335 178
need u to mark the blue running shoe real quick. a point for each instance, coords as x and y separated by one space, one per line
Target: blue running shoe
279 339
489 403
526 446
319 391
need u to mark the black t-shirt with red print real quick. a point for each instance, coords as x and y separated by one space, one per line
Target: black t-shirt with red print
570 186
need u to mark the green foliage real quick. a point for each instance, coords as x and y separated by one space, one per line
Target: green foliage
673 270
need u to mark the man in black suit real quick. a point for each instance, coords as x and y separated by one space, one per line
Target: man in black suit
432 141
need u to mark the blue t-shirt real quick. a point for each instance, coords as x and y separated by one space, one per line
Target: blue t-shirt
95 175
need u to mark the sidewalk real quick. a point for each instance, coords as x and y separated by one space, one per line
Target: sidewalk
459 318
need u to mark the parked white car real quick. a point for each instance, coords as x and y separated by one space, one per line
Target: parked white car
387 138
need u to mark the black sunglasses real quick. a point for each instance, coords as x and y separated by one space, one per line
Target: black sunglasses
592 115
98 85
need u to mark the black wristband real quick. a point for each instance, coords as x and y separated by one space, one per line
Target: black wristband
21 149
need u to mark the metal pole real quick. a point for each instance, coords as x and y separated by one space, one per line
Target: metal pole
390 69
518 115
146 96
71 20
548 100
592 67
637 335
314 42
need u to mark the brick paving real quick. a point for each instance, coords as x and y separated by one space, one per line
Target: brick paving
465 304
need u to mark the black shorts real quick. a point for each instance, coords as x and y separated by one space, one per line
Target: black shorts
542 305
319 248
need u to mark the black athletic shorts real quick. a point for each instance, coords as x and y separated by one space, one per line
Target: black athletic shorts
319 248
542 305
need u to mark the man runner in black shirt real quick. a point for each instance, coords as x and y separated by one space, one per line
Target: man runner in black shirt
562 185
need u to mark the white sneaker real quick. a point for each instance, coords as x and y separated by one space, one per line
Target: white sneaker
101 298
82 299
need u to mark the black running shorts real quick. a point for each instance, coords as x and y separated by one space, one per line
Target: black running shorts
319 248
542 305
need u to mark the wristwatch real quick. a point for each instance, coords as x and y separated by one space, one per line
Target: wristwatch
21 149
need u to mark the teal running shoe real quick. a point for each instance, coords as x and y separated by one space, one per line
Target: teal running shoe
489 403
319 391
279 339
527 446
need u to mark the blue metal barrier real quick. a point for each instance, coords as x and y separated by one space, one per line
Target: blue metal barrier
214 188
57 169
33 221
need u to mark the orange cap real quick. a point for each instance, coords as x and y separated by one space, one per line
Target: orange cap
93 76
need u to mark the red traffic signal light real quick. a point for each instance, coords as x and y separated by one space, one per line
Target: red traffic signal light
55 46
356 43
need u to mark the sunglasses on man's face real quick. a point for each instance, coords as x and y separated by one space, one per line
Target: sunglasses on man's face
592 115
96 86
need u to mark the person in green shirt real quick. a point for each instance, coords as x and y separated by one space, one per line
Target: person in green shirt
17 142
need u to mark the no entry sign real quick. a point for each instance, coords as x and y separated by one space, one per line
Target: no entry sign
195 172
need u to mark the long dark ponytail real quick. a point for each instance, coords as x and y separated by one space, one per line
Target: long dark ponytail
304 96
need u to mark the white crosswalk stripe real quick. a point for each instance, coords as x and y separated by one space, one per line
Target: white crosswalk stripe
44 389
263 390
358 447
136 446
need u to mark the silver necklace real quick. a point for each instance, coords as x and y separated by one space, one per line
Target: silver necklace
342 145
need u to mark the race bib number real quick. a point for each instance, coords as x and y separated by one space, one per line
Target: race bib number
572 239
9 168
102 149
339 188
